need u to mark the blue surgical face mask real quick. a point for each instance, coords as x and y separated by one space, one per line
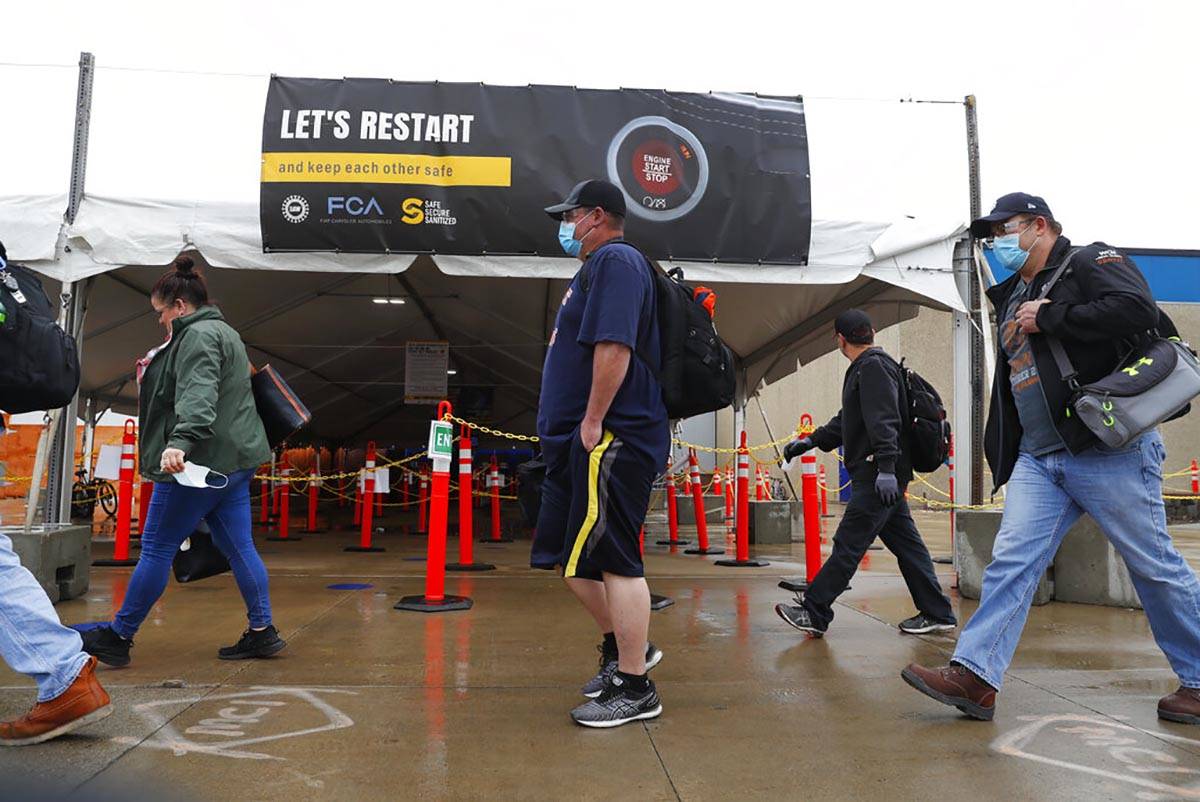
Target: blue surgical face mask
566 238
1009 252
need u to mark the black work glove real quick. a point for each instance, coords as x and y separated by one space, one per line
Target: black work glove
796 448
888 488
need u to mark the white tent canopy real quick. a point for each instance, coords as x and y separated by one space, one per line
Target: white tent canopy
344 354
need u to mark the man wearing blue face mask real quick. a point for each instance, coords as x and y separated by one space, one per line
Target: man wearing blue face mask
1055 468
604 436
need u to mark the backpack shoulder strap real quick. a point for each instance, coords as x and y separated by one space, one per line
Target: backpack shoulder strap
1065 367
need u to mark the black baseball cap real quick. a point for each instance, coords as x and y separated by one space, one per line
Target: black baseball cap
855 326
593 194
1008 205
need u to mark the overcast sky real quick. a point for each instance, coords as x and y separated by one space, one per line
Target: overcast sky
1095 105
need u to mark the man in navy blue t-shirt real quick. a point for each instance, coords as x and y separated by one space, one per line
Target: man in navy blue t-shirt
605 437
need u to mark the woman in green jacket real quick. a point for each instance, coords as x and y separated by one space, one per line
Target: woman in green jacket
200 441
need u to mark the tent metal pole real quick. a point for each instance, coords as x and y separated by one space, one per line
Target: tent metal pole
62 445
974 457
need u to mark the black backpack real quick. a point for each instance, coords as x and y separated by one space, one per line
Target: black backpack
696 368
928 430
39 363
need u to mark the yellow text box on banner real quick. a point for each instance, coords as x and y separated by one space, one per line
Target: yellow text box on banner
387 168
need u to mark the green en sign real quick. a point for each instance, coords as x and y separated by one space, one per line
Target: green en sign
441 440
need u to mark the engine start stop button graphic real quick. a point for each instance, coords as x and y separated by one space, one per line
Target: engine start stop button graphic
660 166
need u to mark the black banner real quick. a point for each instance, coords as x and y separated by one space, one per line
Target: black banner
375 166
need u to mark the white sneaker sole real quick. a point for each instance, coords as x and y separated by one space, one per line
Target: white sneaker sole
604 725
654 660
70 726
926 630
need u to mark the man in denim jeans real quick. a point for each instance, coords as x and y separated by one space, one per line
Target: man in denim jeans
1055 468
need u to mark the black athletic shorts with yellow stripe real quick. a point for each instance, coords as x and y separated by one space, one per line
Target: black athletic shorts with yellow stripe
593 507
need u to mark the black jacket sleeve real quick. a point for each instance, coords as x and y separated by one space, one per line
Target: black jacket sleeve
829 436
880 396
1119 300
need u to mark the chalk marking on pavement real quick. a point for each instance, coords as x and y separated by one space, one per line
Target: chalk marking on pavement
230 723
1115 738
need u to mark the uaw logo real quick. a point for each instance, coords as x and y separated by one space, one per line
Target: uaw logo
295 209
238 725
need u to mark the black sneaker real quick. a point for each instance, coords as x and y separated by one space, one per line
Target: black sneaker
608 667
920 624
798 617
618 704
107 646
263 643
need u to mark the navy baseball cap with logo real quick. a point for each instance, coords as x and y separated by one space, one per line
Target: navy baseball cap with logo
1008 206
594 194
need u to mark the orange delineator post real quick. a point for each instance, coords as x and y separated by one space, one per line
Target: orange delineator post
466 519
758 482
950 463
672 513
494 485
265 512
1195 479
124 501
435 598
716 483
742 559
367 504
824 488
313 479
423 504
145 492
812 512
698 502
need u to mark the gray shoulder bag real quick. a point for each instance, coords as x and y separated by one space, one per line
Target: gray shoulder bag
1153 382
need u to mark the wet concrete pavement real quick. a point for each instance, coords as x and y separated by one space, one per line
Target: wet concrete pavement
372 703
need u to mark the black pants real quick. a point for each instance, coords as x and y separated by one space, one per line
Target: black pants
865 519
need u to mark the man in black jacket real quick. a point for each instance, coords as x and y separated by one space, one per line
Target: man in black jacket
869 427
1055 468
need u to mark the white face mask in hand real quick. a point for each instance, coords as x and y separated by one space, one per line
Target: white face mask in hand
194 475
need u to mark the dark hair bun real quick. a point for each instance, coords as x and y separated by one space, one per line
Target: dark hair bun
184 265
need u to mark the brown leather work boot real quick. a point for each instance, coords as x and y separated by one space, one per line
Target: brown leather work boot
956 686
1183 706
82 703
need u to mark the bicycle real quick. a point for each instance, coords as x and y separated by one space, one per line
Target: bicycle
86 493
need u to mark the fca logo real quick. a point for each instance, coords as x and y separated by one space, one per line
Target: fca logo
354 206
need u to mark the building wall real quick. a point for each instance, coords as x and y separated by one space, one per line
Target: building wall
926 342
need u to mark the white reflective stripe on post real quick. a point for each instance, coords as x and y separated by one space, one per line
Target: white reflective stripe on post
808 467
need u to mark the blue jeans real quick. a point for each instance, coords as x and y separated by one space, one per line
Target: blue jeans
1122 491
32 639
174 512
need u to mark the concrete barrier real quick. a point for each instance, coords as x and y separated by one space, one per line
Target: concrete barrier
59 556
974 537
770 522
714 510
1088 570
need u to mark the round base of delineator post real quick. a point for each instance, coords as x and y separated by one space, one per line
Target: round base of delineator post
471 566
364 549
742 563
278 539
710 550
944 560
672 542
115 563
495 540
419 604
660 602
797 584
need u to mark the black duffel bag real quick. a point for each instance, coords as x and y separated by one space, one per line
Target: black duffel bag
39 362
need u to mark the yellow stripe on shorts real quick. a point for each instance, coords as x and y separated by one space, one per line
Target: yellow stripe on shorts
593 509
